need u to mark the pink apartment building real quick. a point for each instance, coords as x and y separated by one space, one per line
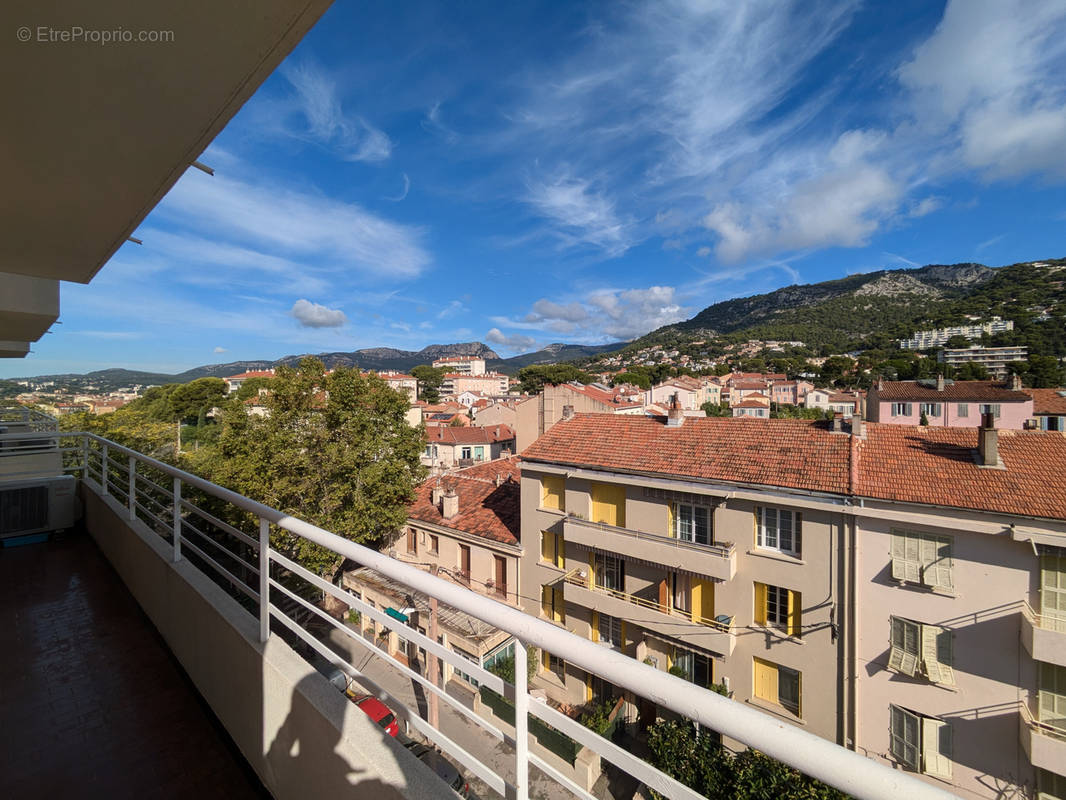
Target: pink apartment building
949 404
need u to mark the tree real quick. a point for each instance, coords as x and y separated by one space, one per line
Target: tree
1044 372
429 382
532 378
924 420
717 409
187 400
251 387
957 342
335 450
640 379
128 426
696 759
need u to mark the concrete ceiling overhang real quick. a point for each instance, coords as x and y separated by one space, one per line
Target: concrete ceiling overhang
28 306
14 349
95 133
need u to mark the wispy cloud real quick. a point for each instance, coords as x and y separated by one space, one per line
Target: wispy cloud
220 350
326 122
990 242
406 188
581 215
516 342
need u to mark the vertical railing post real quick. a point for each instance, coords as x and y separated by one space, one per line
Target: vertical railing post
84 458
264 579
103 470
521 721
133 487
177 519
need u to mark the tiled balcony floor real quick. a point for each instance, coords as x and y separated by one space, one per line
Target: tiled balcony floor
92 704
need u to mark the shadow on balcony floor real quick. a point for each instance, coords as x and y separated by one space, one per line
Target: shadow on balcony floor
92 703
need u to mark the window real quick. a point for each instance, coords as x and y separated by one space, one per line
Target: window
777 684
552 491
479 453
1053 590
609 572
901 409
1051 703
696 668
692 523
609 631
412 541
431 451
963 410
778 607
552 548
499 564
682 592
464 563
1050 786
554 664
990 408
914 646
930 409
552 604
921 743
923 558
465 453
434 544
608 504
778 529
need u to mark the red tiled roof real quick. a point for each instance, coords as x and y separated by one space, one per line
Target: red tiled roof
936 465
441 434
251 374
485 509
1048 401
749 384
614 400
843 397
800 454
965 391
754 401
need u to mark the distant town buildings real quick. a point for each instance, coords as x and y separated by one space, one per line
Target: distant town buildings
950 404
938 337
994 359
464 365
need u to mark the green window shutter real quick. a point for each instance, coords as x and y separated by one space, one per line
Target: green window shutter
936 748
903 656
905 737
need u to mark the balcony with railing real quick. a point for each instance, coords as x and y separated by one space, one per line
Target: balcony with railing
717 560
208 568
686 626
1044 635
1044 741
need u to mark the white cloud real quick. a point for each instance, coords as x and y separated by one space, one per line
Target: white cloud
349 135
295 225
547 309
220 350
703 252
582 216
406 188
314 315
516 342
453 309
927 205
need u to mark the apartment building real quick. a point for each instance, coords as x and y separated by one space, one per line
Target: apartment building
234 382
754 405
790 393
899 590
401 382
994 359
690 393
540 413
846 403
938 337
484 383
449 446
465 365
947 403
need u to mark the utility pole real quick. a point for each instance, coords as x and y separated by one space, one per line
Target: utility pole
432 658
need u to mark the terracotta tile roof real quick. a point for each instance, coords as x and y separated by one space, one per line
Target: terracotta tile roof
613 399
485 509
914 464
801 454
754 401
251 374
964 391
1048 401
936 466
749 385
844 397
442 434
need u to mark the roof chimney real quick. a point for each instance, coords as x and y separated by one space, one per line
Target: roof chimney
499 479
1016 382
450 504
988 441
436 493
568 412
675 417
940 382
857 428
838 422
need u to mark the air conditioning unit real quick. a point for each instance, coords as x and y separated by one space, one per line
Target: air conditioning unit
37 506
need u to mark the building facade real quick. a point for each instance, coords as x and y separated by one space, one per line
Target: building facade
924 340
449 446
996 360
951 404
465 365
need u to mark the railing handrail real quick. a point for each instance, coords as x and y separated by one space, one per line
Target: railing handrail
726 548
1038 617
820 758
1033 722
652 605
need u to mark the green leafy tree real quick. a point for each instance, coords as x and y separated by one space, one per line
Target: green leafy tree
640 379
957 342
251 387
532 378
1044 372
128 426
717 409
924 420
429 382
335 450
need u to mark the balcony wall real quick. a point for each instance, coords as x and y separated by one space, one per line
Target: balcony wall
675 626
300 735
1044 749
716 561
1045 639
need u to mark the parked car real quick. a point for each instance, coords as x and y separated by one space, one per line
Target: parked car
377 711
445 769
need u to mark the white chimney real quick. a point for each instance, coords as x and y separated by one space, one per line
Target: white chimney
450 504
568 412
940 382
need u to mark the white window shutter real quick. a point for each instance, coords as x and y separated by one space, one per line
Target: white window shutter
936 748
899 556
936 671
902 661
905 737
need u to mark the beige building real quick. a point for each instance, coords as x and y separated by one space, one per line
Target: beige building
487 383
540 413
898 590
466 365
449 446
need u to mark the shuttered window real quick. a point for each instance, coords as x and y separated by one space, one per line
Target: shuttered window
921 743
1053 591
777 684
780 607
608 504
553 548
915 647
552 605
1051 704
922 558
552 490
692 523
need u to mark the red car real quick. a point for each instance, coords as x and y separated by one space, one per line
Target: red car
377 711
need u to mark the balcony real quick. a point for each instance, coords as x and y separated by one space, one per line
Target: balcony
1044 744
244 621
1044 636
714 560
715 635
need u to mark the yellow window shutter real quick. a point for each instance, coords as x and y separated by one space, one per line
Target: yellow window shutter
547 546
560 551
588 687
765 680
795 612
671 512
546 659
703 603
594 626
695 598
546 601
552 488
760 603
592 569
936 748
560 606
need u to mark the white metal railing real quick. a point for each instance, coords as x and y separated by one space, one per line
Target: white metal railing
22 418
1040 726
720 549
1049 622
157 495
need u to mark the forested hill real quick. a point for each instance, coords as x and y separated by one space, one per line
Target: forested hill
872 310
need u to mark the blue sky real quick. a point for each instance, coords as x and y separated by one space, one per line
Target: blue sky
527 173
